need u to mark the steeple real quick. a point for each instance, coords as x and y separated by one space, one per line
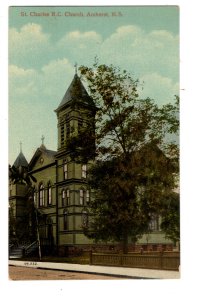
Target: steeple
75 93
76 110
20 160
42 145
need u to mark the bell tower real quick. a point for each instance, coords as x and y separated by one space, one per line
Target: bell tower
75 113
75 108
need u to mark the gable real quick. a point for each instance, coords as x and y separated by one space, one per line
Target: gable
41 159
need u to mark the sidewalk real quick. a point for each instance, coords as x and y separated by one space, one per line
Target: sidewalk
104 270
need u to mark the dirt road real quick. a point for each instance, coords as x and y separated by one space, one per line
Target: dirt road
25 273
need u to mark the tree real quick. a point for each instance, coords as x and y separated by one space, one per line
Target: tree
135 163
18 225
171 217
124 122
127 194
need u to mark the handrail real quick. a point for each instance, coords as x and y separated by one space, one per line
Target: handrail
31 246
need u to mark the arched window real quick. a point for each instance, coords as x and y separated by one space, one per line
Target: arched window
81 197
65 169
85 218
49 194
41 195
65 219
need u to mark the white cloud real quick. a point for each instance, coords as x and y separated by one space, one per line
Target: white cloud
81 36
27 45
80 46
29 85
41 70
30 37
142 52
161 89
22 83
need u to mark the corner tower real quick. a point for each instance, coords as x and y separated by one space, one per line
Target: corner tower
72 112
75 113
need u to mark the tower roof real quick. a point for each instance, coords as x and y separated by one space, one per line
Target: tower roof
77 93
20 161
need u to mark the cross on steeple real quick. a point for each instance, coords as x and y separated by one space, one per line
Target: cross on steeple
75 66
20 146
42 139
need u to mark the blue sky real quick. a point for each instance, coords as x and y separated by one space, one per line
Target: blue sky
43 50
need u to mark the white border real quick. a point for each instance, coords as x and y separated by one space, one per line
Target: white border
190 79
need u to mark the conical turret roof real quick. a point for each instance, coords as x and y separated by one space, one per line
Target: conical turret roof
20 161
76 93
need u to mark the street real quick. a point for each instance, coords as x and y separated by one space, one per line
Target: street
26 273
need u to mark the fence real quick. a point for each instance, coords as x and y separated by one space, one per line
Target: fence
162 260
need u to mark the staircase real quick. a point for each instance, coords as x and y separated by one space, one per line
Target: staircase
22 250
16 252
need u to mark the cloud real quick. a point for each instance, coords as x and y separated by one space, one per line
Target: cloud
143 52
22 82
80 46
35 86
41 69
27 46
161 89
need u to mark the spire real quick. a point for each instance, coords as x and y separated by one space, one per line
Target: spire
20 160
42 139
75 66
20 147
76 92
42 145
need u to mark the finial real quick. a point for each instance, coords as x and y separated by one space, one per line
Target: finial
42 139
20 146
75 66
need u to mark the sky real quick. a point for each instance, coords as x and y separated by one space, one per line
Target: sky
46 42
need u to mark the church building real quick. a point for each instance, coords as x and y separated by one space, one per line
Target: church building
60 194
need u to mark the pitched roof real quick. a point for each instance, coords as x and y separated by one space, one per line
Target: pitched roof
42 150
20 161
76 92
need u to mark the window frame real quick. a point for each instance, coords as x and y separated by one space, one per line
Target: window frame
65 169
49 194
65 220
67 195
81 197
63 195
41 195
84 171
84 218
87 196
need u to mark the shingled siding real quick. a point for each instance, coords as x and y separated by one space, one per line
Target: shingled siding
162 261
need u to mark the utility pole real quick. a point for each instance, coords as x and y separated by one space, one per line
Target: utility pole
38 234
